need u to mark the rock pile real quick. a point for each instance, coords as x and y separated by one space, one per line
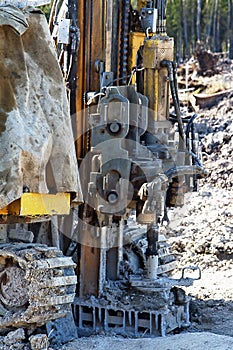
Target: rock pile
201 232
18 340
216 131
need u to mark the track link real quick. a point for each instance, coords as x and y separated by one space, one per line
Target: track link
37 285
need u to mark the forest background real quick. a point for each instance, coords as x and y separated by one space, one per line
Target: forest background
196 22
204 22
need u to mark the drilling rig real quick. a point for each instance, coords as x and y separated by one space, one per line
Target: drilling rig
136 159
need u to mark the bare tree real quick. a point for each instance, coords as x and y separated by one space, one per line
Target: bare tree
231 32
198 22
230 29
201 21
215 23
185 27
209 23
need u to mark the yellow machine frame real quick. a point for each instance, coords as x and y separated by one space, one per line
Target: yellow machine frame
35 204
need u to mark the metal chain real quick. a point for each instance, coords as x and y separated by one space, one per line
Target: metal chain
124 45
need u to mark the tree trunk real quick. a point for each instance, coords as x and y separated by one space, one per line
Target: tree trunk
186 38
208 37
193 29
214 37
198 22
230 29
218 40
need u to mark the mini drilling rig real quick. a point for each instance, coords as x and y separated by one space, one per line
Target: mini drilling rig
136 159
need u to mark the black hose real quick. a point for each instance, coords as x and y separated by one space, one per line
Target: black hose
193 136
192 151
189 125
174 93
196 159
172 118
185 170
174 64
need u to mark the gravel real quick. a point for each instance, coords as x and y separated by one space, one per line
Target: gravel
201 232
216 129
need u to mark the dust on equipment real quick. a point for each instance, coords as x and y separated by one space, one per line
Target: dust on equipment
136 160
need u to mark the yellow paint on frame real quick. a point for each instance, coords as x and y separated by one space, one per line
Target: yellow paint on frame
37 204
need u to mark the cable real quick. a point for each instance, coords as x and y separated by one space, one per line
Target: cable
93 97
198 162
118 79
134 70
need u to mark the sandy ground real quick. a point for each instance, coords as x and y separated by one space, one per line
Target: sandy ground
188 341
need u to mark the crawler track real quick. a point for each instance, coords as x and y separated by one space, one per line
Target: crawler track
37 284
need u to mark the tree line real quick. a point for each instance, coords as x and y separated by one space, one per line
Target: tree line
205 22
192 22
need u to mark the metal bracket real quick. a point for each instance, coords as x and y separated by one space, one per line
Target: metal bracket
64 31
191 268
107 78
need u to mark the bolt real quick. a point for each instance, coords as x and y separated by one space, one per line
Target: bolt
115 127
112 197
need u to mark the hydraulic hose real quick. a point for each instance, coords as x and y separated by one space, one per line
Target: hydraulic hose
174 64
185 170
169 65
189 126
